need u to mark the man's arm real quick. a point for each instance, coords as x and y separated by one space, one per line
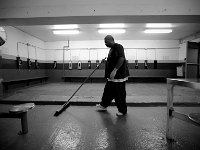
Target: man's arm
119 62
118 65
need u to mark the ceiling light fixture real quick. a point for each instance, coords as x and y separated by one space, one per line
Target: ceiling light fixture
158 25
66 26
112 25
114 31
158 31
63 32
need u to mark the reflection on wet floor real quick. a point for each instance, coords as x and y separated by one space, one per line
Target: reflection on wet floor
102 139
84 128
67 135
151 92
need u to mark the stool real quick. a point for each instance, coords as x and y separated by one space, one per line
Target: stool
19 111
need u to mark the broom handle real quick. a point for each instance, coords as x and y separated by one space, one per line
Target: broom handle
83 82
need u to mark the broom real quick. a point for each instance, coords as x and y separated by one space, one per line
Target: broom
67 104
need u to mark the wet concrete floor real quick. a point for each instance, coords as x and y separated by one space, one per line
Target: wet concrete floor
84 128
92 92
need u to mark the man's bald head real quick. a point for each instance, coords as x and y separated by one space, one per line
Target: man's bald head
109 37
109 40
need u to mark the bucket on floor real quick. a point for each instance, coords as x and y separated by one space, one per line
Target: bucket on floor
179 71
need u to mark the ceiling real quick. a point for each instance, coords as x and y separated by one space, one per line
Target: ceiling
134 31
37 17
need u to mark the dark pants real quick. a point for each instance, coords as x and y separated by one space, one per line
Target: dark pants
117 91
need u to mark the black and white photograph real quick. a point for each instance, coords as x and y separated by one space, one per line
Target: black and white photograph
99 74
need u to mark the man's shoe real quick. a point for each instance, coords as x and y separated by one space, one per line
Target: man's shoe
120 114
100 108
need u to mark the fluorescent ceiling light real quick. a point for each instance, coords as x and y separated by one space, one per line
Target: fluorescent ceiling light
114 31
112 25
158 31
67 26
66 32
158 25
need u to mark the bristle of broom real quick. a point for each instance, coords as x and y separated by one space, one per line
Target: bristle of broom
59 111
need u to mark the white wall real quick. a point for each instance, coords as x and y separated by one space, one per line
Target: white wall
88 50
182 51
14 35
151 49
78 50
96 50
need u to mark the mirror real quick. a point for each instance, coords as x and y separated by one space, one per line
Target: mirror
3 36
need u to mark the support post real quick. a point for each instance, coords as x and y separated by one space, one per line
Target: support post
170 88
24 123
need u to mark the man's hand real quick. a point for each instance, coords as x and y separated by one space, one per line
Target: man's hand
113 73
104 60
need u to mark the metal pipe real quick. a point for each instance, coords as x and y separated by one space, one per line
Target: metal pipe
64 47
96 48
35 53
27 49
17 49
63 61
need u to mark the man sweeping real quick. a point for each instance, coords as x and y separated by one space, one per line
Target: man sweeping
116 73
